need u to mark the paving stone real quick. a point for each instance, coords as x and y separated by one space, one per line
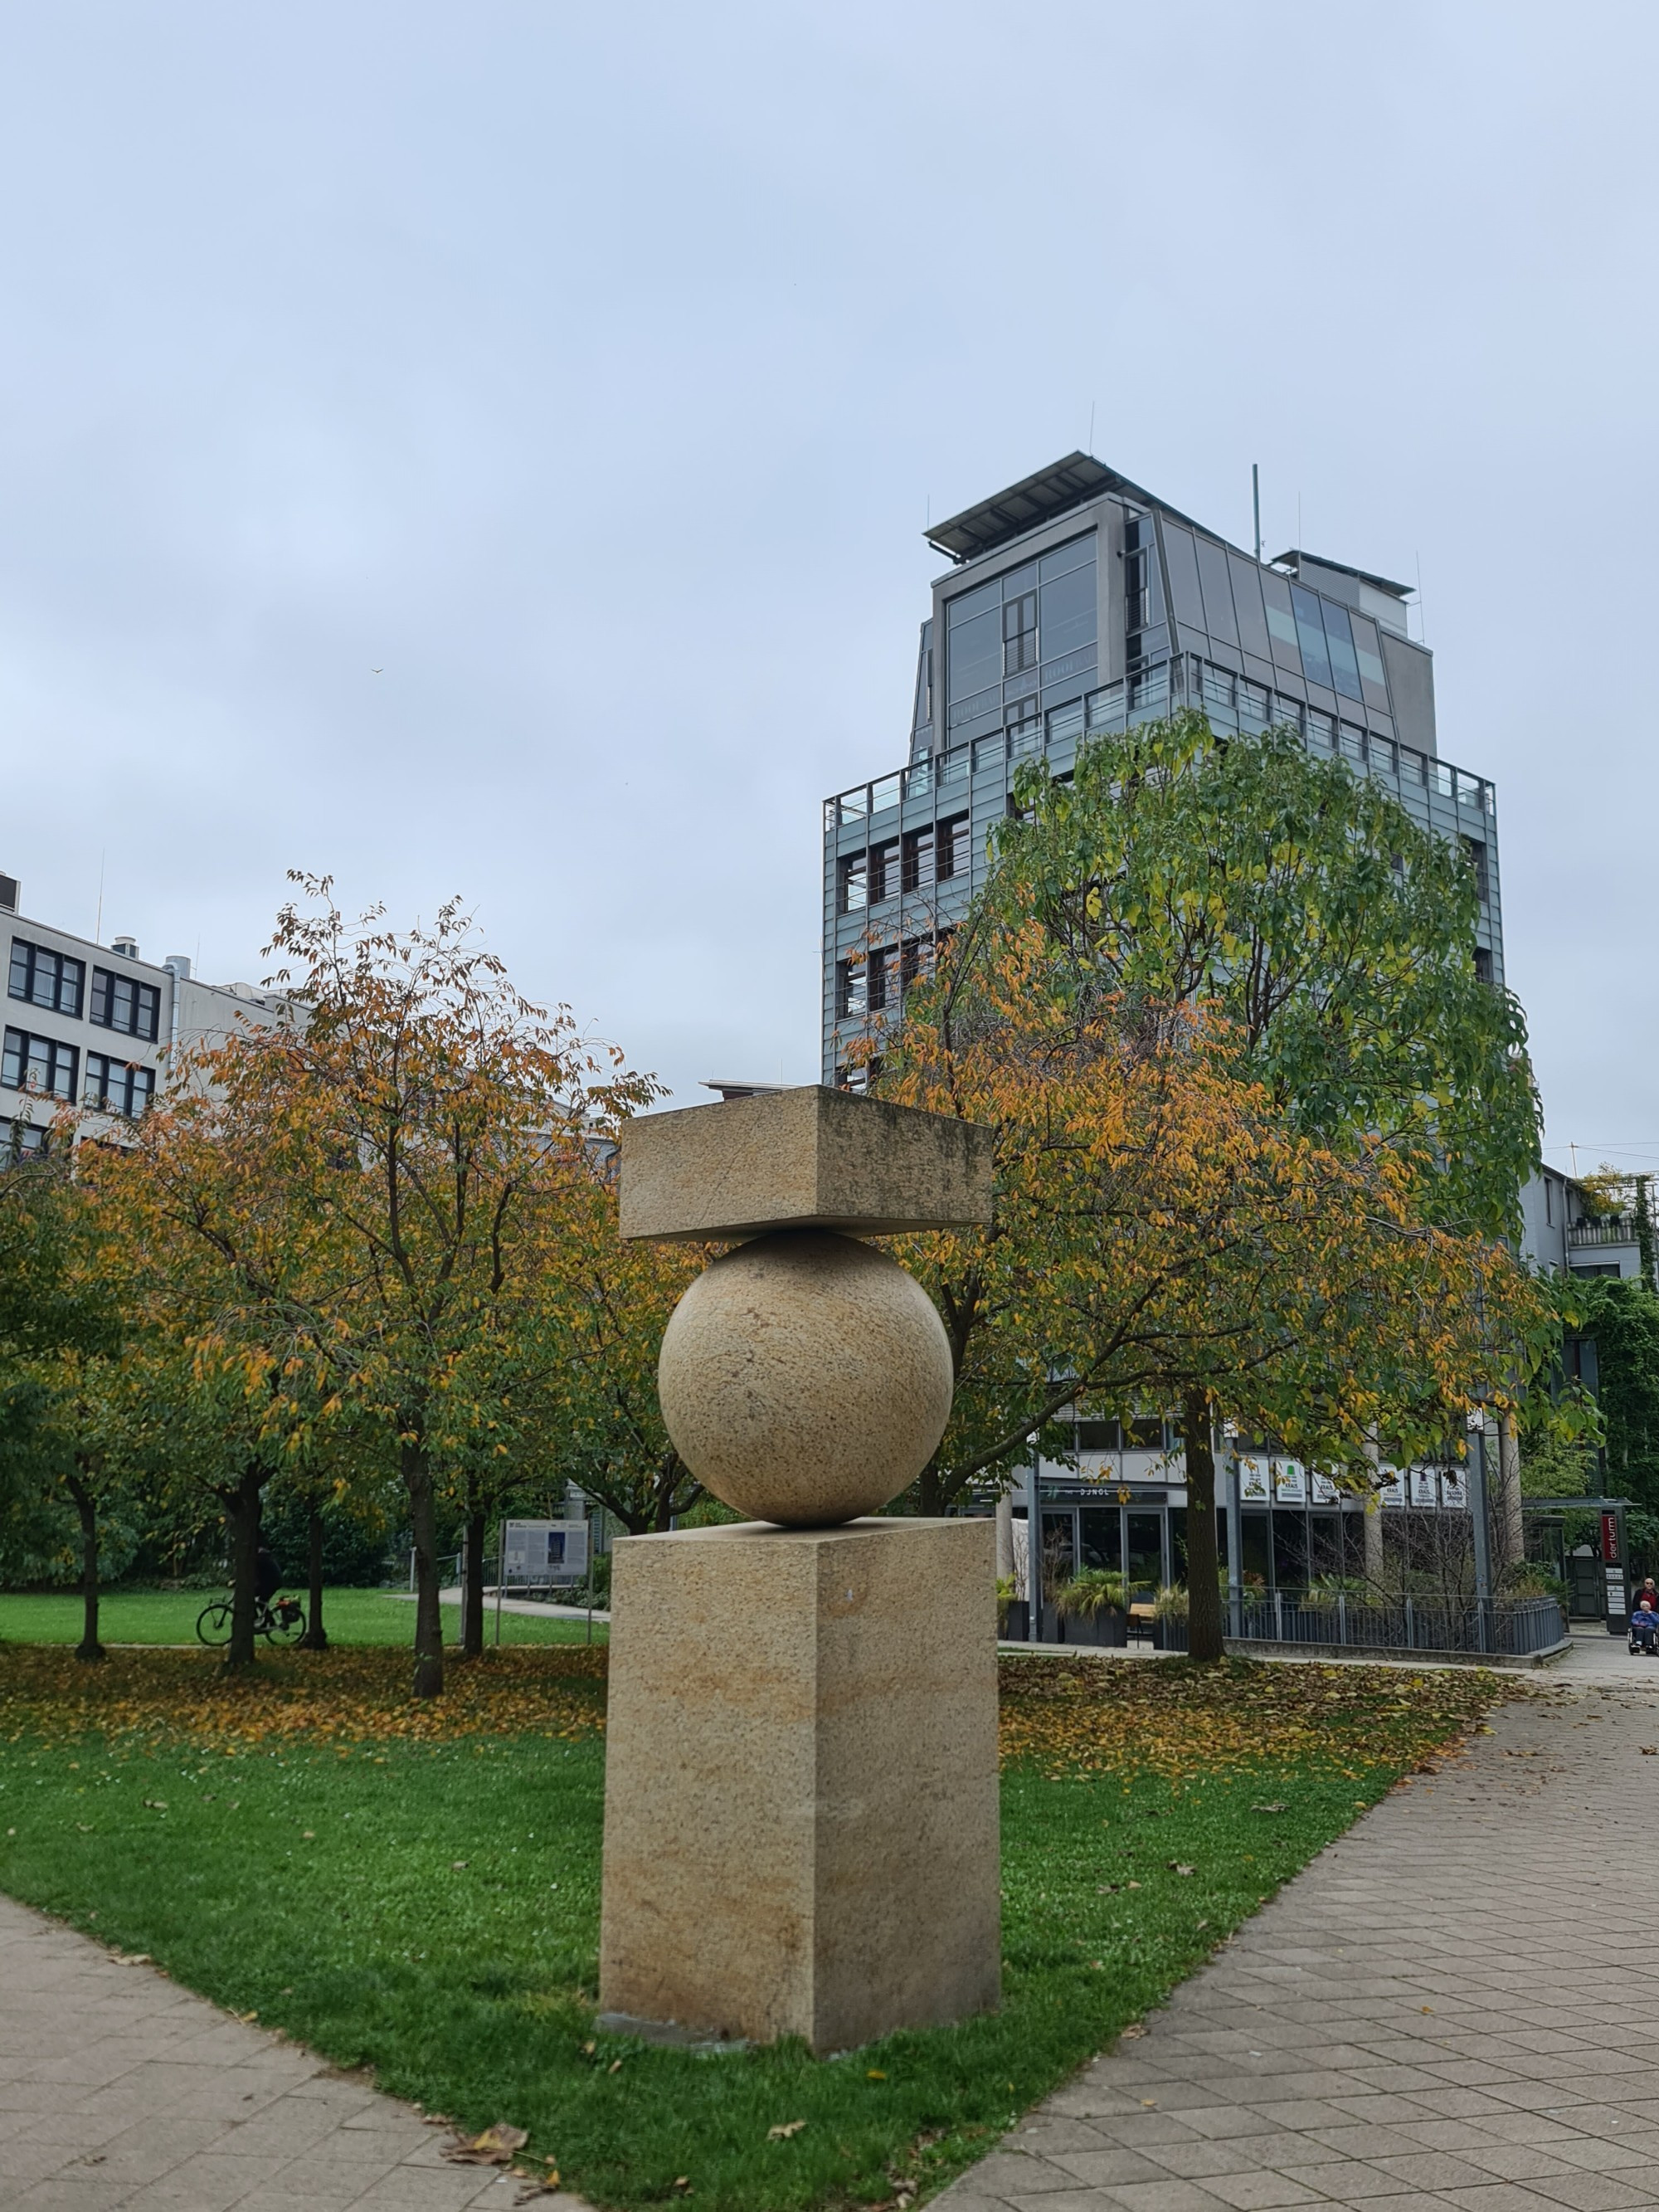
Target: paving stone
121 2093
1397 2030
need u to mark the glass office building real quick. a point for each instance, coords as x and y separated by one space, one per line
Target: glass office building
1076 601
1079 602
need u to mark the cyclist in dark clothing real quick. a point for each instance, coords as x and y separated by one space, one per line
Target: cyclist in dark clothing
267 1575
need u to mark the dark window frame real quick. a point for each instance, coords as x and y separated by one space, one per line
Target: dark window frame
30 961
19 1049
134 1078
111 992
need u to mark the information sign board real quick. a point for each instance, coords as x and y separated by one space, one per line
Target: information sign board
537 1553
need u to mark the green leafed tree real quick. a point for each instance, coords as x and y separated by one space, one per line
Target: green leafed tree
1325 943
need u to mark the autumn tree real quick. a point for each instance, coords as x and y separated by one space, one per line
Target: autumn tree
61 1331
434 1121
1319 947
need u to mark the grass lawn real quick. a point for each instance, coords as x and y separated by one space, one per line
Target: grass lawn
350 1616
416 1888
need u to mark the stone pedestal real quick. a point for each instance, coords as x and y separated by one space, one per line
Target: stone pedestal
800 1824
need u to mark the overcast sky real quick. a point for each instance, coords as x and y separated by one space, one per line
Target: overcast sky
590 373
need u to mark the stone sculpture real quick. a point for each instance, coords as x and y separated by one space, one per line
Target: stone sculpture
800 1801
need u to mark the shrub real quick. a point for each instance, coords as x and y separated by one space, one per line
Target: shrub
1090 1592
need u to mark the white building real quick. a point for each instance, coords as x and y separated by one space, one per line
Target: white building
95 1026
1560 1234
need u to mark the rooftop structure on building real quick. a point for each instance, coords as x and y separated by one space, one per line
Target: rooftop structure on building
1079 602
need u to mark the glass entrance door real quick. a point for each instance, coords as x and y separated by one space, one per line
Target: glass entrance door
1144 1543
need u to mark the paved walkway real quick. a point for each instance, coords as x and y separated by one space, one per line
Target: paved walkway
1444 2010
119 2093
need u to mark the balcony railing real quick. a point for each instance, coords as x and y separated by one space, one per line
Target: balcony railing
1231 701
1613 1232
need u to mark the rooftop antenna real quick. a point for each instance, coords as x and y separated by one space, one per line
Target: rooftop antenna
1422 619
98 925
1090 448
1256 503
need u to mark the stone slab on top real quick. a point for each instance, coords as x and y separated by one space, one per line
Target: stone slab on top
809 1158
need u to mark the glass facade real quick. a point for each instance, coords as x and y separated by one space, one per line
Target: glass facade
1009 642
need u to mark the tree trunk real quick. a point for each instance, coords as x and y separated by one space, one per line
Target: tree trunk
429 1614
1204 1628
89 1648
1511 1530
316 1635
242 1525
473 1574
930 1492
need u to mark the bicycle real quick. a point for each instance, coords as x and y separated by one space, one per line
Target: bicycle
281 1622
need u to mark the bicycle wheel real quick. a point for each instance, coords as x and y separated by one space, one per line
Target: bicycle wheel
285 1622
213 1622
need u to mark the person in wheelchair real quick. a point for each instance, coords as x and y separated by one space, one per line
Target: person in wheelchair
1644 1628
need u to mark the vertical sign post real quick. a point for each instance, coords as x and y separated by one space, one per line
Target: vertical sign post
1612 1570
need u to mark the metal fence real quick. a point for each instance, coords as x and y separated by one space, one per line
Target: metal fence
1506 1627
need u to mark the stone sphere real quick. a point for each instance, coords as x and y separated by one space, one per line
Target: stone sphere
805 1378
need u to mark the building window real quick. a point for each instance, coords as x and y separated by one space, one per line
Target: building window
1098 1435
1476 850
22 1141
860 1078
853 882
879 964
118 1086
918 860
953 855
883 871
852 990
1483 969
916 961
1145 1433
38 1063
120 1003
1549 1203
1019 633
42 978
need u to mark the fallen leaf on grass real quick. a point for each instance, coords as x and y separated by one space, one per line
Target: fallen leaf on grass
1176 1867
495 2147
783 2133
1277 1808
874 2073
1133 2028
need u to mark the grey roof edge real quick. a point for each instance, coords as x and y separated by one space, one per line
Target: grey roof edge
1346 568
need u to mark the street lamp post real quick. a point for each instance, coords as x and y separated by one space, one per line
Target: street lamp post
1478 1511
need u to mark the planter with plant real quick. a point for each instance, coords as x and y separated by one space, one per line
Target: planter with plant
1012 1611
1094 1607
1170 1618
